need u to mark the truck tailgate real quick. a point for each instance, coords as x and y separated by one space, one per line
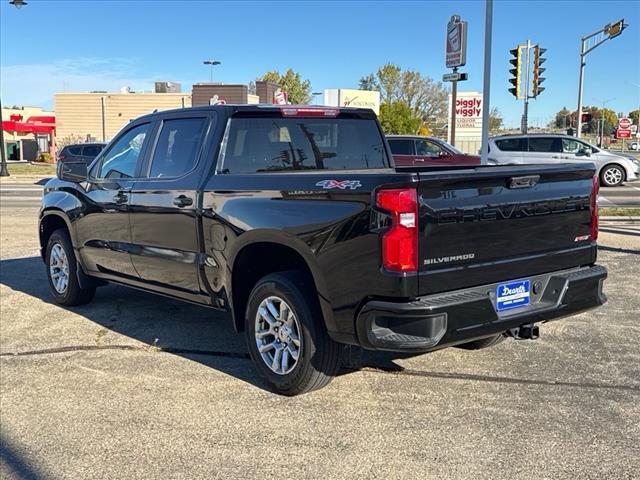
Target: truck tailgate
500 223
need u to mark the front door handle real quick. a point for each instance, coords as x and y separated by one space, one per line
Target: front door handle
182 201
121 197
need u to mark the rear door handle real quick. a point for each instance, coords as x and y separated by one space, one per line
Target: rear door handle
182 201
121 197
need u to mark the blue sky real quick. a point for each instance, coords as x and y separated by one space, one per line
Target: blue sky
49 46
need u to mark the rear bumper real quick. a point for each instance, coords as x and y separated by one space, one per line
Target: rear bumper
447 319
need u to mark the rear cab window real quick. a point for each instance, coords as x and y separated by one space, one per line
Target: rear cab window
262 144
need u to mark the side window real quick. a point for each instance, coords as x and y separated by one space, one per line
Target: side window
511 145
545 144
176 152
427 149
401 147
91 151
122 158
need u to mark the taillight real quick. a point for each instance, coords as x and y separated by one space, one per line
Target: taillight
60 157
309 112
594 207
400 241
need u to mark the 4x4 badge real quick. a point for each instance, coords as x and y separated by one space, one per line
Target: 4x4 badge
341 184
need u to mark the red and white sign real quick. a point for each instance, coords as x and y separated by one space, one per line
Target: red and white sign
280 97
624 123
456 49
623 133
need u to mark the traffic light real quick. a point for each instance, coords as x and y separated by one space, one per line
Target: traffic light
615 29
517 63
538 60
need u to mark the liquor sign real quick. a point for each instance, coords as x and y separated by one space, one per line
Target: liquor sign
456 44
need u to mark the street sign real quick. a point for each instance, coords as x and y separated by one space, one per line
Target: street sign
624 123
456 49
454 77
620 133
280 97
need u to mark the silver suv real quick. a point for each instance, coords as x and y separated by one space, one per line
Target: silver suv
549 148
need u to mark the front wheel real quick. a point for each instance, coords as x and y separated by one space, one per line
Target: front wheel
612 176
286 335
61 272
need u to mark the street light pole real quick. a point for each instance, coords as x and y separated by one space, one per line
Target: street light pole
4 171
609 31
212 63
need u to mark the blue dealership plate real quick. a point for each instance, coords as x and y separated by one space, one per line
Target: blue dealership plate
513 295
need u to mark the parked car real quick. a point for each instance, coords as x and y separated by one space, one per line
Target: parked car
635 145
546 148
418 151
294 221
80 151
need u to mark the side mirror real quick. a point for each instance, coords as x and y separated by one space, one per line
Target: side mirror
586 151
75 171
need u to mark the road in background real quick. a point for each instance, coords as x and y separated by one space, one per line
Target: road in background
28 193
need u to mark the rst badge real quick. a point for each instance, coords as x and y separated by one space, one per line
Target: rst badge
340 184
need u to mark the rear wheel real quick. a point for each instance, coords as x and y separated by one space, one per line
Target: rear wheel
286 336
612 176
483 343
61 271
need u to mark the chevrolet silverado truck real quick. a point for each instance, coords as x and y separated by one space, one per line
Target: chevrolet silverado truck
294 221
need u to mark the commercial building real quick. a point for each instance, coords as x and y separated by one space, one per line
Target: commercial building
100 115
346 97
27 132
208 93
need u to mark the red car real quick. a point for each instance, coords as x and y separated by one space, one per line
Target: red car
417 151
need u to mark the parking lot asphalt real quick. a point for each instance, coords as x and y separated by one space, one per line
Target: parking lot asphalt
139 386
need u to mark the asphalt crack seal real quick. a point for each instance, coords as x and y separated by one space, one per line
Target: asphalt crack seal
396 370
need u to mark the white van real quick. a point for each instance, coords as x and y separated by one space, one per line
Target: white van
552 148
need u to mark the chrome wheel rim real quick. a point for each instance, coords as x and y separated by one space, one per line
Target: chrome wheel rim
59 268
278 335
613 176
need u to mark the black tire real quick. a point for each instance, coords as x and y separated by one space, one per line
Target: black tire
73 294
483 343
612 176
319 355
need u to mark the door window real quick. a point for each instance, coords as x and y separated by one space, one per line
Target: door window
401 147
122 158
545 145
426 148
176 152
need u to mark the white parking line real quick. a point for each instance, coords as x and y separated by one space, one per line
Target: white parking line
605 200
635 188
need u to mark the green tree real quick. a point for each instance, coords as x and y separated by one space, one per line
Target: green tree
495 121
298 90
634 115
563 118
397 118
426 98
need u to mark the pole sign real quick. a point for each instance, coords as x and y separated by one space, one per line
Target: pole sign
620 133
454 77
624 123
456 50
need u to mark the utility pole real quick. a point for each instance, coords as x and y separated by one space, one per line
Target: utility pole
488 19
4 171
525 115
454 97
609 31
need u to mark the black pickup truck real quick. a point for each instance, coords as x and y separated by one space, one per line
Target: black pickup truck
295 222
